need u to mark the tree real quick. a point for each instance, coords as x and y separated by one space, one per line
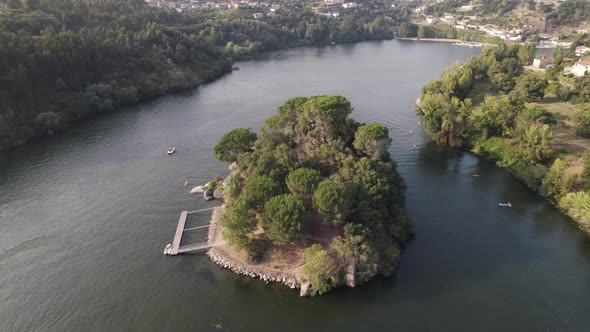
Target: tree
496 116
526 54
233 143
303 181
284 216
238 225
557 182
356 247
532 86
258 190
330 201
232 187
577 206
320 269
407 30
372 140
582 118
534 141
446 119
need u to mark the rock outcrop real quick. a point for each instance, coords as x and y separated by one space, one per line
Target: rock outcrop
197 190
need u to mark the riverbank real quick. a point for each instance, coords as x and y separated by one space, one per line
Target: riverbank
226 257
95 70
444 40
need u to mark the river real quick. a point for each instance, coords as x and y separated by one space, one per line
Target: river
84 216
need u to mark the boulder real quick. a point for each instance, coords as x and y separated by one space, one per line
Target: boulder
208 195
305 289
197 190
218 194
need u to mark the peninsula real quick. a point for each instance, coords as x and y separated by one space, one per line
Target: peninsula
314 199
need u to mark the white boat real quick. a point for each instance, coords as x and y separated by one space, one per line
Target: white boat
505 204
171 150
168 249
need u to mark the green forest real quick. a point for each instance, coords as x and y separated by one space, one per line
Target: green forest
316 180
62 60
490 105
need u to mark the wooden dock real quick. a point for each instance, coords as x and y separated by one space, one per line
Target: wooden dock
177 247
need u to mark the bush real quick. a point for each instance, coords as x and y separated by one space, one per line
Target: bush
557 182
582 119
577 206
256 249
538 114
320 269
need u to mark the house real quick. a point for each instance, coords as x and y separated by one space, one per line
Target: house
582 49
431 19
581 68
543 62
350 5
258 15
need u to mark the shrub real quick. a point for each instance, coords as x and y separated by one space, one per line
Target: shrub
577 206
256 249
320 269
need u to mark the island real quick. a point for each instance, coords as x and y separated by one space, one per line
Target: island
314 199
530 115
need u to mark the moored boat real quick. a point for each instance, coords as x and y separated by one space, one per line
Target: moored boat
168 249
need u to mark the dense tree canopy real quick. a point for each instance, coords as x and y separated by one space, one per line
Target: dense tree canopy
233 143
314 166
62 60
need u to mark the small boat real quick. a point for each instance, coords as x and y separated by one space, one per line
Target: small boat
171 150
168 249
475 174
505 204
236 68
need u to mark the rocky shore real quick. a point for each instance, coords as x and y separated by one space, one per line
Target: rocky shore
220 258
227 261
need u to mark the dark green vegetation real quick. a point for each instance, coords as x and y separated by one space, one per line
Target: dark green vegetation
315 176
411 30
61 60
504 125
570 12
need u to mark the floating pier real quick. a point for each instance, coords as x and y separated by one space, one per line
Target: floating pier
177 245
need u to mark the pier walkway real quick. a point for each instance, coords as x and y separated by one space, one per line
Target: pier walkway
182 237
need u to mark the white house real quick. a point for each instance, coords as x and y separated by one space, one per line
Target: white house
581 68
581 50
258 15
543 62
350 5
431 19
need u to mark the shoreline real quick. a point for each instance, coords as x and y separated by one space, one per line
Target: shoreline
578 223
221 257
196 83
445 40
